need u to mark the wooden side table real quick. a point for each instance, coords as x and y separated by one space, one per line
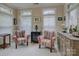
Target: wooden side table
4 45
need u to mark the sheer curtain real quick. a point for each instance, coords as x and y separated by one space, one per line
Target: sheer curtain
73 18
26 24
26 21
49 23
49 20
6 22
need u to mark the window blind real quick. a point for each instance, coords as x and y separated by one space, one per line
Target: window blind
6 22
26 23
49 19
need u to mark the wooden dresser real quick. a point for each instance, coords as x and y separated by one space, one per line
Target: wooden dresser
68 45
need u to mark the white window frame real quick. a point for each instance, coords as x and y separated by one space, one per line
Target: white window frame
24 14
54 14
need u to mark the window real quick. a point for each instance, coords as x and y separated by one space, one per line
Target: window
26 13
49 19
48 11
71 15
49 23
26 21
6 22
73 18
6 10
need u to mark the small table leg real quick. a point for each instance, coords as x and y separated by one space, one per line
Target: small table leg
4 43
9 39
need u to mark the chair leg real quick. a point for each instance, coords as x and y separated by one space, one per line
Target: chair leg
16 45
39 45
27 43
51 50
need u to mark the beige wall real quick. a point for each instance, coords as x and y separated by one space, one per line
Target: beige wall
16 14
60 13
37 12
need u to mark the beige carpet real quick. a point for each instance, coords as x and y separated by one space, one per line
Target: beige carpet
31 50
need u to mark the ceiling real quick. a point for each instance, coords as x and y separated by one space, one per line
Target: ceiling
31 5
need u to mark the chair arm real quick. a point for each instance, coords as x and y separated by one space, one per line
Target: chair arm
40 38
53 40
27 36
14 37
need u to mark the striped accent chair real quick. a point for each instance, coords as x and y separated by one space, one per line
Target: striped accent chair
48 40
20 36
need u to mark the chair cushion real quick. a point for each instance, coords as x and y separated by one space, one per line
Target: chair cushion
19 39
42 42
47 41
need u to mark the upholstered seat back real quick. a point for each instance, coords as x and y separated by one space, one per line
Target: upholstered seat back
46 34
52 34
20 36
20 33
17 33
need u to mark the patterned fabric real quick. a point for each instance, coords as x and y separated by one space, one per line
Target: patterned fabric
20 33
47 39
20 36
52 34
46 34
17 33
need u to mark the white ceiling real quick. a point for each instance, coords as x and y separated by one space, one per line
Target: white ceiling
31 5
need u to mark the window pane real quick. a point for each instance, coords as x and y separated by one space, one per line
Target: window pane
73 18
26 24
48 11
6 22
26 13
49 23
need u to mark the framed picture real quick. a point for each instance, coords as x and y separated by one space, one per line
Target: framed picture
14 21
36 19
59 18
64 18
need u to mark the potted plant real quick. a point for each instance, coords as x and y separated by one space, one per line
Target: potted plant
75 29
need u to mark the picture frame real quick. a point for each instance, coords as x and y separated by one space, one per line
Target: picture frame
36 19
14 21
64 18
60 19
